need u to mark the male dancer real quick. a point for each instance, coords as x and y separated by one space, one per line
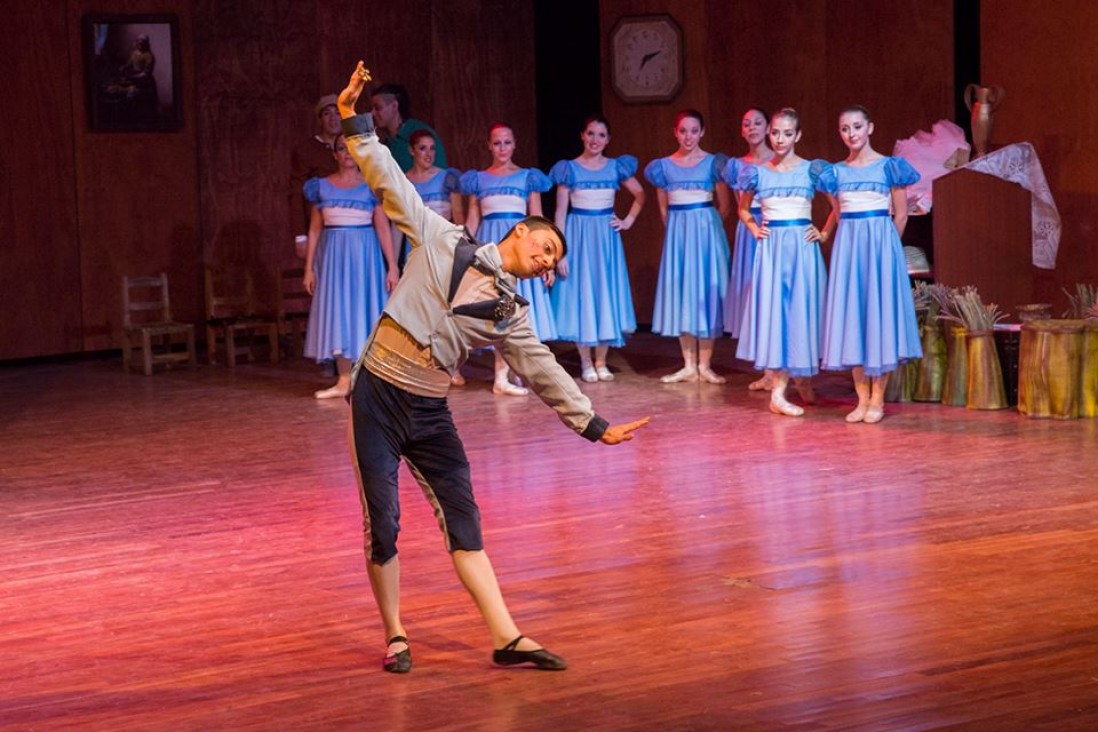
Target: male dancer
389 105
455 295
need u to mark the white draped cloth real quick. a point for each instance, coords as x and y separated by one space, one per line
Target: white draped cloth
1018 163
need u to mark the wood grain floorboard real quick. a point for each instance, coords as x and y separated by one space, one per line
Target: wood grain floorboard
183 552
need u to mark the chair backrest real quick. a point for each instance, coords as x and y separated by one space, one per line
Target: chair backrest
293 298
145 301
230 293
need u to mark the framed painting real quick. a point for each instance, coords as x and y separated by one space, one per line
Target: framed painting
131 71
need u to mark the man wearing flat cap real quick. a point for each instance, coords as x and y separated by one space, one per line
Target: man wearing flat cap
311 158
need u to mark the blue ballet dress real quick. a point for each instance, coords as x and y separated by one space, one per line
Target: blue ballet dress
743 256
593 305
693 277
869 315
503 200
436 194
781 322
350 271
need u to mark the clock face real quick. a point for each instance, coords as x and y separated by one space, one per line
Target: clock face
646 58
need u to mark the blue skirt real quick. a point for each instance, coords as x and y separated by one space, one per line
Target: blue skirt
350 292
693 276
533 289
869 315
739 285
781 326
593 305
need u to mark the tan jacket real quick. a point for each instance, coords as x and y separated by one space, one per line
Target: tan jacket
420 303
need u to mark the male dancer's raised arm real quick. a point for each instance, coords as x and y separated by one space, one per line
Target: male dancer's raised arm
399 198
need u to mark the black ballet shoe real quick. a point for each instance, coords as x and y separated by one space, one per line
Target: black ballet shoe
398 663
540 659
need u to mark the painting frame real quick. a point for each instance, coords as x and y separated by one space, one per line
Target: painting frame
132 72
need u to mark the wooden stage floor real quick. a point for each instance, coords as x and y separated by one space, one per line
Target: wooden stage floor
183 552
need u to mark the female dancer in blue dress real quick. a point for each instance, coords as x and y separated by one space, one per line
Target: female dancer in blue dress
754 128
350 266
439 188
869 317
500 197
592 301
693 274
781 325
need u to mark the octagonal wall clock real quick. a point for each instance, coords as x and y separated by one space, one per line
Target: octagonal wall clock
646 58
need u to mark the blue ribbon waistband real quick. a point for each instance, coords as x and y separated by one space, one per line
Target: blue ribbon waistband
592 211
349 226
502 215
689 206
756 210
864 214
788 222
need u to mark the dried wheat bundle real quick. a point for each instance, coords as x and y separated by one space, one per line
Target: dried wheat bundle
1083 301
972 313
945 301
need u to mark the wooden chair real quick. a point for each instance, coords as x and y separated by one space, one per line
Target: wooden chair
147 324
231 311
294 302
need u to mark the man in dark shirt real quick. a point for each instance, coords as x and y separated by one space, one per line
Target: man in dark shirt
391 109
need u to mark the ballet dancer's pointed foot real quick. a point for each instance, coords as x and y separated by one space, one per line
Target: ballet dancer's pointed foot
604 373
589 375
457 380
506 388
858 414
764 383
398 656
709 376
779 405
873 415
332 392
686 373
539 658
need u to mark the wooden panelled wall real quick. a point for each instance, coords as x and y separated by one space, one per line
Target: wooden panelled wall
80 209
1044 56
260 80
893 57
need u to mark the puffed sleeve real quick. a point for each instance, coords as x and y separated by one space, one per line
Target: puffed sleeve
469 183
451 181
627 167
825 178
730 174
655 174
719 161
900 173
748 179
562 174
816 168
536 181
311 190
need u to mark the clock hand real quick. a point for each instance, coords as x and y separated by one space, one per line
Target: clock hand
649 56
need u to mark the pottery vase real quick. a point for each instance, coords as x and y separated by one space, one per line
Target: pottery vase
954 386
982 101
984 375
932 366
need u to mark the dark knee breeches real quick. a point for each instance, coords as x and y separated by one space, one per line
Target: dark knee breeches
388 423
